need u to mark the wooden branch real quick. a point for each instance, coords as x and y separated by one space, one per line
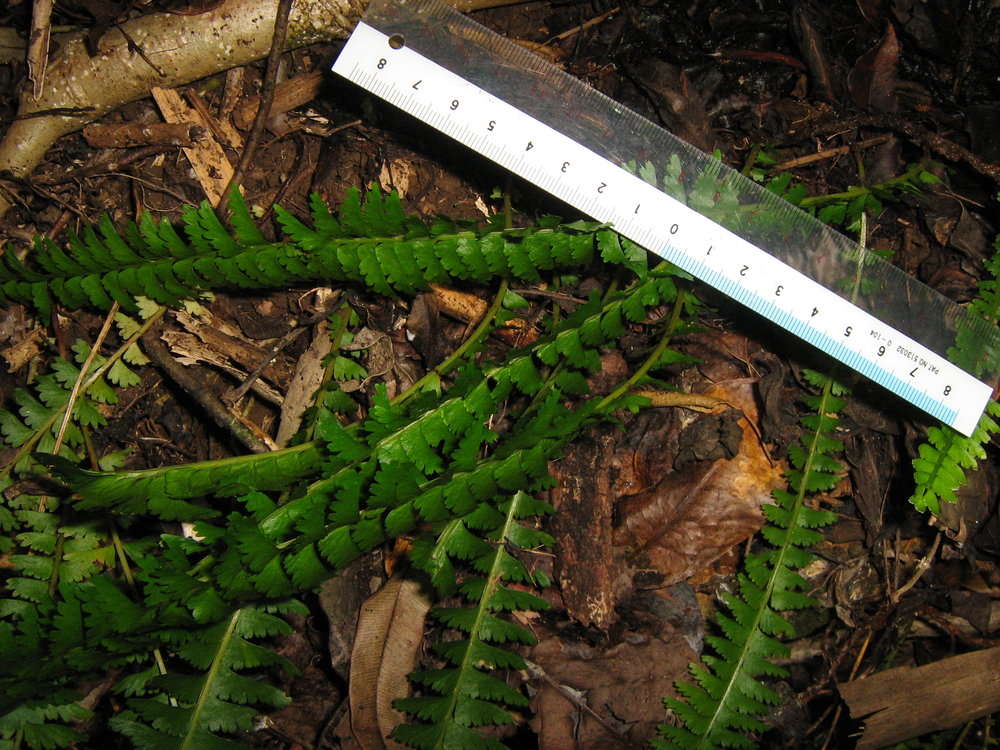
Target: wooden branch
207 158
176 49
288 95
165 50
132 134
909 701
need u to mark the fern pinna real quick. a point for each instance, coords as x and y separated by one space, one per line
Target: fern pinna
728 700
464 695
185 710
182 610
939 469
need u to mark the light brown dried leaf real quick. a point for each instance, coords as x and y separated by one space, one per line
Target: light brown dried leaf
390 629
694 515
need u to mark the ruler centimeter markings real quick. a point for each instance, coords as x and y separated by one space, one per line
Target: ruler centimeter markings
582 178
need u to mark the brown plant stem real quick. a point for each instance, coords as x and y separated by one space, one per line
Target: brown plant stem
195 387
266 98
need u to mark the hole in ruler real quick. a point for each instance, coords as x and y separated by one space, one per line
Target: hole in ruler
396 41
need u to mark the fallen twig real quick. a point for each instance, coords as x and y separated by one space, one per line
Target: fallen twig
194 387
916 133
266 98
801 161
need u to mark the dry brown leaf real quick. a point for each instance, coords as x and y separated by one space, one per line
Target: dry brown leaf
308 376
390 629
872 81
624 685
693 515
693 401
25 350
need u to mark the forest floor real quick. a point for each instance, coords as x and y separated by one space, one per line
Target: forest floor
835 94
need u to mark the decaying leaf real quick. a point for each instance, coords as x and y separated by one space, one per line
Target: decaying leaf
710 502
308 376
593 698
872 81
390 629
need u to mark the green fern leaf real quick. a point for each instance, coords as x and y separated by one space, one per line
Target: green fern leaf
218 698
466 696
940 466
939 469
243 224
42 725
727 699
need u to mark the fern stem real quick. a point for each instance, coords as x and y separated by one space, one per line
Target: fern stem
190 738
651 360
56 562
484 326
116 541
74 394
857 192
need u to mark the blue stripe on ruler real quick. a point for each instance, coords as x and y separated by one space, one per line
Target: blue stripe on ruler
817 338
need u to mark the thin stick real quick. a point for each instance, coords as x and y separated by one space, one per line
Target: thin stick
266 99
539 673
75 393
583 26
918 572
829 153
78 385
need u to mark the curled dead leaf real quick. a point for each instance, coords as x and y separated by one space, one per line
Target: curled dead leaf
696 513
390 629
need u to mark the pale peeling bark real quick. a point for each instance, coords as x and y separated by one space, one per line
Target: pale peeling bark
183 48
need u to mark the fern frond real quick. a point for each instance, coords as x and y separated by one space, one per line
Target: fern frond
727 700
155 490
41 407
393 436
373 243
218 697
428 461
465 695
43 724
940 467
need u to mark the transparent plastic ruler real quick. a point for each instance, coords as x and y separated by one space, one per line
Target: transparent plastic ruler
591 152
